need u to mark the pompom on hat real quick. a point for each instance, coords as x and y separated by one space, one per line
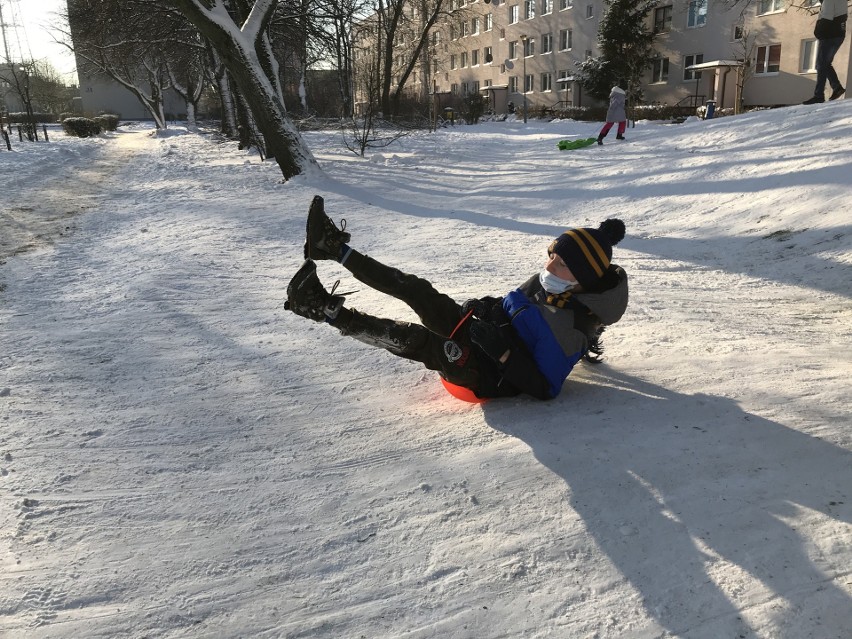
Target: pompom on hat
587 252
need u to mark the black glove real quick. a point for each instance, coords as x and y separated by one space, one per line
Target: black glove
480 308
490 340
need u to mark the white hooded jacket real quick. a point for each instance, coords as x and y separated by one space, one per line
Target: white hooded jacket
616 112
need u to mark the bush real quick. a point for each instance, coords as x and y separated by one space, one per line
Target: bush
473 106
663 112
65 116
22 117
80 127
583 114
107 121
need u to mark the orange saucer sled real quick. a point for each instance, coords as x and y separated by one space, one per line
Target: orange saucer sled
462 393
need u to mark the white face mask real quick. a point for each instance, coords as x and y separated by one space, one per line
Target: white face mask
553 284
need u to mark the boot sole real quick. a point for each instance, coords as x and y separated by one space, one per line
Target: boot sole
317 208
305 271
318 217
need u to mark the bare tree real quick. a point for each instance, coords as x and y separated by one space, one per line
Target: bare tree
238 34
187 67
743 50
47 89
19 77
129 42
400 31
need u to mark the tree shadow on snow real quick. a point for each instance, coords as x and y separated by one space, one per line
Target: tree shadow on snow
685 494
786 256
768 256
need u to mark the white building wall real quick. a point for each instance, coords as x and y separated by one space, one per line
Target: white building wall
100 94
508 68
715 37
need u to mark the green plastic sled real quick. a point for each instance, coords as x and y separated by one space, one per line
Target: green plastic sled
570 145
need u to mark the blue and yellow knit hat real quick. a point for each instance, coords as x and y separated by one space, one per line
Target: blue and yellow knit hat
587 252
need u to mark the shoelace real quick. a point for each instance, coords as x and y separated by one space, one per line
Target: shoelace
334 289
334 226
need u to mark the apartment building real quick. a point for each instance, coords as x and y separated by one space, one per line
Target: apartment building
524 51
517 51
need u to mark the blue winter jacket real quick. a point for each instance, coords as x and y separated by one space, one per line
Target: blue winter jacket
553 362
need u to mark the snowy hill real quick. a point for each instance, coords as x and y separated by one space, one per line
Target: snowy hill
181 457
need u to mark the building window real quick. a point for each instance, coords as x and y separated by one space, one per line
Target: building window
474 58
453 34
563 81
590 11
688 61
565 4
487 83
489 21
547 82
566 39
663 19
513 50
529 9
529 85
453 63
474 26
502 34
463 59
547 43
739 31
546 7
529 47
513 14
465 29
660 70
487 54
588 54
513 84
808 57
768 59
454 88
697 16
770 6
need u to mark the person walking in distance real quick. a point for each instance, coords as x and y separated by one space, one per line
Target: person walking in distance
830 31
615 113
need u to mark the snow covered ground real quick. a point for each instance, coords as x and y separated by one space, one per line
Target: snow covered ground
181 457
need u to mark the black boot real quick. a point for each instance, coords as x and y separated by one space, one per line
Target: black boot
323 237
600 140
620 137
307 297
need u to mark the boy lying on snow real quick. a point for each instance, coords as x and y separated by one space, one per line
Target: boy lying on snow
525 342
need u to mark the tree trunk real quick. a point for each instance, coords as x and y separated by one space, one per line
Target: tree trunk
238 50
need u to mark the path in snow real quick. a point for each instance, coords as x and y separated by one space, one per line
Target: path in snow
35 217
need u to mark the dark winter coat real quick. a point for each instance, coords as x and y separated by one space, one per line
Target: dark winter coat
548 340
832 20
616 112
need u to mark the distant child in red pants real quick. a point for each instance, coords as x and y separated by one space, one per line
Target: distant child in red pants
614 114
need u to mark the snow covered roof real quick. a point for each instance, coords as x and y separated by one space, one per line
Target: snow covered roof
715 64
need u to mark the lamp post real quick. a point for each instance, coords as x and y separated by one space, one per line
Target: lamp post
524 80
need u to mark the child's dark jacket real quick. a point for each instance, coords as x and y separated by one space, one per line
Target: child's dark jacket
548 335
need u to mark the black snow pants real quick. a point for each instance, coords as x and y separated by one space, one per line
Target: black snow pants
455 359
